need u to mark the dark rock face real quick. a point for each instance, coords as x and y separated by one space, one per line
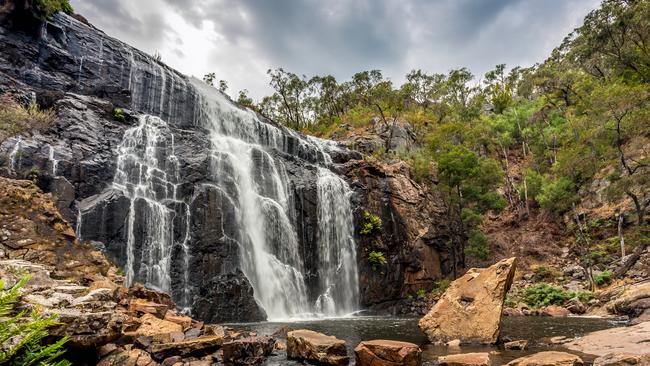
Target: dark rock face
413 236
84 75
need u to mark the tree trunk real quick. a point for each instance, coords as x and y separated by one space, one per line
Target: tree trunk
621 237
526 198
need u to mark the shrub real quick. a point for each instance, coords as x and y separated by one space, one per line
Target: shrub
441 286
16 118
371 223
557 196
22 336
376 260
46 8
543 294
603 278
542 273
118 114
478 245
421 293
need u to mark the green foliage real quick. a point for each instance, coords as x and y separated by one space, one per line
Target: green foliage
604 278
557 195
46 8
441 286
376 260
370 224
543 294
478 246
118 114
422 293
22 335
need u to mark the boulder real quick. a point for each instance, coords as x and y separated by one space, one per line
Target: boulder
633 302
159 330
132 357
575 306
387 353
316 347
518 345
548 358
555 311
142 306
633 339
470 309
195 347
465 359
512 312
184 321
247 351
623 359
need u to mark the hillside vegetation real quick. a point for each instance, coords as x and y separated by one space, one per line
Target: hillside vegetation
516 139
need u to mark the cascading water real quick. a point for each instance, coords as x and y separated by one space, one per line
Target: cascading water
337 260
148 174
247 173
256 182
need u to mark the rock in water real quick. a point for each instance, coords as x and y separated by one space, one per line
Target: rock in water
387 353
470 310
316 347
247 351
623 359
465 359
548 358
633 339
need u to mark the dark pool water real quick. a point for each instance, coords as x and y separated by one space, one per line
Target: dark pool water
356 329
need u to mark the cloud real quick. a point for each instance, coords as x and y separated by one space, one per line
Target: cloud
240 40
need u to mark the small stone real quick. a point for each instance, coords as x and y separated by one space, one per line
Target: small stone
465 359
387 353
192 333
453 343
516 345
169 361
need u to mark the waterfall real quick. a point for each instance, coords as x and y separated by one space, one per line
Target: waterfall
337 260
256 182
148 174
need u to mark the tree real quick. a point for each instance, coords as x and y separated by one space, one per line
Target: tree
223 86
244 99
209 78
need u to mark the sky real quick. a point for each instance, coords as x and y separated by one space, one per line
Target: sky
239 40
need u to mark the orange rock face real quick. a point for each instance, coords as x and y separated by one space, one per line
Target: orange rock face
470 310
387 353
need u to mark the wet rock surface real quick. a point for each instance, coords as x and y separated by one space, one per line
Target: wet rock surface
548 358
470 309
387 353
316 347
466 359
633 339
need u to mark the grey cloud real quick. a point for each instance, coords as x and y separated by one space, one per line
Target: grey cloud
340 37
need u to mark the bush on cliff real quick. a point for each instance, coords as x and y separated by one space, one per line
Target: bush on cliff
44 9
22 335
16 118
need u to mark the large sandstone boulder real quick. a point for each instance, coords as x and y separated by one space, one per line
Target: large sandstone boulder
548 358
633 339
247 351
623 359
387 353
634 301
465 359
470 310
316 347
